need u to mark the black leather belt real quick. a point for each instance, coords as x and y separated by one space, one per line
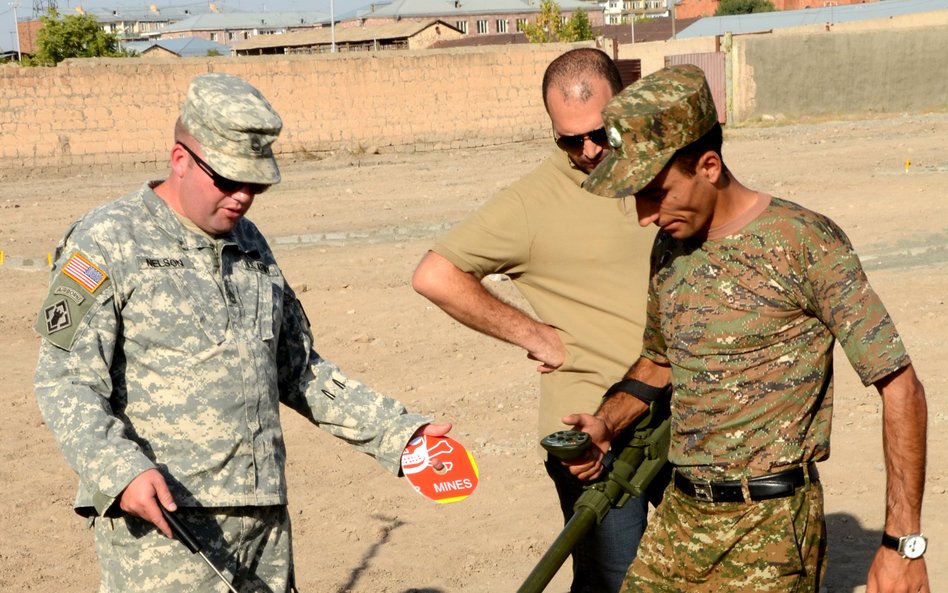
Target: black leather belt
766 487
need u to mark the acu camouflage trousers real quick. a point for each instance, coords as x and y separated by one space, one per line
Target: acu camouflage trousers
692 546
252 546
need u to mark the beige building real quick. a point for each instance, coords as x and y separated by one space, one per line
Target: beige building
473 17
382 36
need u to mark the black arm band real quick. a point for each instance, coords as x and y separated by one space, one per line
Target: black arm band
643 391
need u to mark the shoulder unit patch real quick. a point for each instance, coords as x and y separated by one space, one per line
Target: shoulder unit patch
70 300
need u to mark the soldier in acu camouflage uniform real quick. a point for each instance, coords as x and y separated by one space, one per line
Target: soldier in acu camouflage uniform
748 294
170 339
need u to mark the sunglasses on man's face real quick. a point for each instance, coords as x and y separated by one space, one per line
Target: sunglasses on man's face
575 143
228 186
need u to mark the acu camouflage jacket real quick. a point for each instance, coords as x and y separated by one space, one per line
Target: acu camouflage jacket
167 348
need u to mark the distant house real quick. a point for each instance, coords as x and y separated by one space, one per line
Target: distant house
471 17
131 22
235 27
653 29
183 47
616 12
27 35
125 22
379 37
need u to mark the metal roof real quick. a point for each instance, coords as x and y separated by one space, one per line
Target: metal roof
458 8
767 21
248 20
323 36
186 47
143 13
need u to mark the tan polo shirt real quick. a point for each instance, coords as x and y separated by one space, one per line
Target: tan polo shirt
580 260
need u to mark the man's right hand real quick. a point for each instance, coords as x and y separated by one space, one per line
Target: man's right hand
142 496
461 295
549 351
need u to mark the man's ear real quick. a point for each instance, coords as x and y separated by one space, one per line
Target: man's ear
179 160
710 166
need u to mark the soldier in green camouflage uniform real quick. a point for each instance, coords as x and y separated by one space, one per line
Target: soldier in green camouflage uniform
748 294
170 339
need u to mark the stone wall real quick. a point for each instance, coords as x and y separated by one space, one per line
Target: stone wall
120 112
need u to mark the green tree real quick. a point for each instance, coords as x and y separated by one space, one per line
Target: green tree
726 7
72 36
579 27
551 27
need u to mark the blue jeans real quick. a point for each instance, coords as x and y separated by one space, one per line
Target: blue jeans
602 557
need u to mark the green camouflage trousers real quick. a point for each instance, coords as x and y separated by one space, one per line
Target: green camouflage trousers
251 545
776 545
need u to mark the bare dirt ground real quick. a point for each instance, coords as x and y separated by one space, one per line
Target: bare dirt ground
349 230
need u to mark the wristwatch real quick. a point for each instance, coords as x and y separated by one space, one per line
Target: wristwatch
910 546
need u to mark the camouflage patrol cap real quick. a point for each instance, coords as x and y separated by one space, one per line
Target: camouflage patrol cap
235 125
646 123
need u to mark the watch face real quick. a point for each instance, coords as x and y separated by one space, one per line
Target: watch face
913 546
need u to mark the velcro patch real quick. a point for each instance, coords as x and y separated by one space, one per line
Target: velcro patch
164 262
67 304
257 266
87 274
57 317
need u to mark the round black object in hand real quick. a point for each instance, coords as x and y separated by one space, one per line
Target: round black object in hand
566 444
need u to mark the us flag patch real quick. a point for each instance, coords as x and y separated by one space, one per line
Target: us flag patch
84 272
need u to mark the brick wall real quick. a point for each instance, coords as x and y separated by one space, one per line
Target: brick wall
120 112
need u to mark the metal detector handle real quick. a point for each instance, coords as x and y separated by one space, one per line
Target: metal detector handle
191 543
566 444
180 531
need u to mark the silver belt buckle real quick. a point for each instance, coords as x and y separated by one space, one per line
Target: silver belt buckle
703 491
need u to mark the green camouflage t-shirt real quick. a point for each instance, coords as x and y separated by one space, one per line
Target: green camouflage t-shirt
747 322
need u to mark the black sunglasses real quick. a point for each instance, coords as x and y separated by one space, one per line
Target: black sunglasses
574 143
228 186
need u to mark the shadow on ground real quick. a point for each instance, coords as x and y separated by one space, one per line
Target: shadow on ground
851 549
389 524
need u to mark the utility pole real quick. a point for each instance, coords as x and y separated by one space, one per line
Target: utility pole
16 26
632 21
332 25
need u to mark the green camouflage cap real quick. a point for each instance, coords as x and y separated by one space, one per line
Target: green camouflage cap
646 123
235 125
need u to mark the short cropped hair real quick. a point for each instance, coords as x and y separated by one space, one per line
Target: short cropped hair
686 159
582 65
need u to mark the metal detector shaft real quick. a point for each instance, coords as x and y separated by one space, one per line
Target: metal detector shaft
581 521
629 474
187 538
591 508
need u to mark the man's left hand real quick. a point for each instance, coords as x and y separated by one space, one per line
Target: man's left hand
890 573
434 429
589 466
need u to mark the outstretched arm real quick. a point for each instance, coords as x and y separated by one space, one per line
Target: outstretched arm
462 296
904 426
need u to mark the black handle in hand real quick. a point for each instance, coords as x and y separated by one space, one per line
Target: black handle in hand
180 531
